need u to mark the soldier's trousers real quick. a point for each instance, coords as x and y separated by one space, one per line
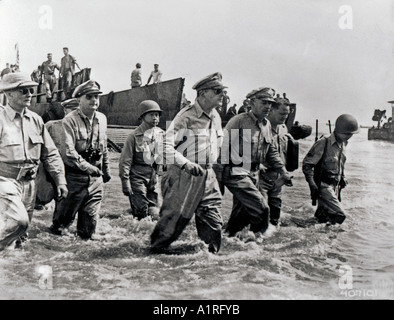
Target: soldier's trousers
143 182
249 205
16 208
272 194
85 194
67 83
184 195
329 208
50 83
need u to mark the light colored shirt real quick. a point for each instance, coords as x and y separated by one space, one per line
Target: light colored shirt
279 139
194 136
24 138
136 77
48 68
79 134
156 76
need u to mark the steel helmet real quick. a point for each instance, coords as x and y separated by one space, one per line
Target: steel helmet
346 123
148 106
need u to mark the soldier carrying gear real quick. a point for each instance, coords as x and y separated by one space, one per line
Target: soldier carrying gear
323 168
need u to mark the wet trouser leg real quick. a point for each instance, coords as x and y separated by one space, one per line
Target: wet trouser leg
272 194
84 197
208 218
249 205
183 194
329 208
143 184
16 208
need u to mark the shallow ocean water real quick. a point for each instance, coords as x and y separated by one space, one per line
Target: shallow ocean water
352 261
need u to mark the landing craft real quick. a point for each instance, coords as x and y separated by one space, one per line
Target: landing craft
383 130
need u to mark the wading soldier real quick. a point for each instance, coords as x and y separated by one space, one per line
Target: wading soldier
137 161
271 181
191 145
85 155
24 142
250 147
323 167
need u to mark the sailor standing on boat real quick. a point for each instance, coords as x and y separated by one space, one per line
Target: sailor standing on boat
137 161
323 167
250 146
85 155
67 71
136 79
24 142
191 146
48 71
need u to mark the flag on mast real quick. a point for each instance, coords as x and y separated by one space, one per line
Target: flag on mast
17 53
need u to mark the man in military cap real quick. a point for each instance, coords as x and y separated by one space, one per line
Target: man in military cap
48 71
323 167
155 74
137 162
85 155
24 142
271 181
249 150
191 145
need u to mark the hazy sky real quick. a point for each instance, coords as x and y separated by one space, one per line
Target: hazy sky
329 59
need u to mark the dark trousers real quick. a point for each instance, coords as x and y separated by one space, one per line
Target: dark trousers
85 194
249 205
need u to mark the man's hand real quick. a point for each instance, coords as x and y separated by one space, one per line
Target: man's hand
343 183
94 171
126 189
193 169
106 177
61 192
314 189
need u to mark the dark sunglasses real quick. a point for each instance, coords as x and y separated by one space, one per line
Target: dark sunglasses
90 96
25 91
217 91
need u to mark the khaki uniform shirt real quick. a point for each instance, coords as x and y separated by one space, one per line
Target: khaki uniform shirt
24 139
250 143
78 133
48 68
193 136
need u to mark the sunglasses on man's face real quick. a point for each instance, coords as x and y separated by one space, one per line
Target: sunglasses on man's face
217 91
90 96
25 91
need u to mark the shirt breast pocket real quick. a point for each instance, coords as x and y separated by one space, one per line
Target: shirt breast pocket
81 141
332 165
36 142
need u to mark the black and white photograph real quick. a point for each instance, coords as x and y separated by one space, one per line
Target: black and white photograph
215 151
